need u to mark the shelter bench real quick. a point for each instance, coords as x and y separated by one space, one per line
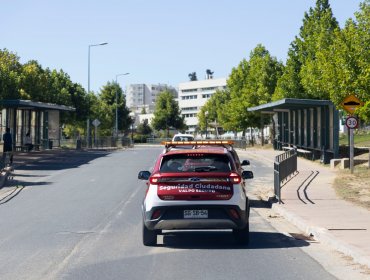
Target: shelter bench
21 148
305 153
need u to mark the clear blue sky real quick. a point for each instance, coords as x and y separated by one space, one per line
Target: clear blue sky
158 41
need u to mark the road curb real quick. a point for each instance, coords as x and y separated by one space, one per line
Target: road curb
322 235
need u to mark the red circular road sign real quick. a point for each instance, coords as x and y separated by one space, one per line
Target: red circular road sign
351 122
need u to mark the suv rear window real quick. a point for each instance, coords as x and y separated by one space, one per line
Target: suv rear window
196 163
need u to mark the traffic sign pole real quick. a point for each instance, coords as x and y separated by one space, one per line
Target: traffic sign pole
351 150
351 123
350 104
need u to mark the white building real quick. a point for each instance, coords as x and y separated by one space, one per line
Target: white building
193 95
144 96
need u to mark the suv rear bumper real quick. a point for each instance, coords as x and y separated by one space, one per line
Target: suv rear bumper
219 217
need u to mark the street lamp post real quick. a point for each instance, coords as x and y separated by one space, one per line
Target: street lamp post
116 126
88 91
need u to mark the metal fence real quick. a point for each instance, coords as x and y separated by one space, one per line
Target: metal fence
285 165
98 143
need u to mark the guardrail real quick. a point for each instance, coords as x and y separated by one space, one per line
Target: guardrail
285 165
101 142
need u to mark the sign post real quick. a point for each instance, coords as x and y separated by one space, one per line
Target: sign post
350 104
351 123
96 123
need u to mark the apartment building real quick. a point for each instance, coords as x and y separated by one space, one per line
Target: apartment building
193 95
144 96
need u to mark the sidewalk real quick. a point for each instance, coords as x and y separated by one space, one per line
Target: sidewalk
310 203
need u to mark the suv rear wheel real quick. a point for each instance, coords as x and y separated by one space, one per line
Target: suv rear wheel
149 236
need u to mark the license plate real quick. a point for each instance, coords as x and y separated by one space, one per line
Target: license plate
195 214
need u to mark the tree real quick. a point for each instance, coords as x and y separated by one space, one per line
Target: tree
347 63
107 108
30 81
214 106
193 76
289 84
167 113
302 77
144 128
10 69
251 84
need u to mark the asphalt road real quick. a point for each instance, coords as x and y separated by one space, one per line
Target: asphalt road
79 217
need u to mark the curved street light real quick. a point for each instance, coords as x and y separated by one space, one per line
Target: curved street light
88 91
116 126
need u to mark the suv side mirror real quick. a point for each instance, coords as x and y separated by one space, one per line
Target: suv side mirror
245 162
143 175
247 174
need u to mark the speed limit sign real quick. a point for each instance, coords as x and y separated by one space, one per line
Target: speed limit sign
351 122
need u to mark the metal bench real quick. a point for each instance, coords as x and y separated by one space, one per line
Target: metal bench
305 153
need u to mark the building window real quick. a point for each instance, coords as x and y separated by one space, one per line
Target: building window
189 90
206 95
189 115
208 88
188 97
189 108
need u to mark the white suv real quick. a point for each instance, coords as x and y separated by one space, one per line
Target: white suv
201 188
183 137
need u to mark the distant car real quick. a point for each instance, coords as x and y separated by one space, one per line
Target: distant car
201 188
183 137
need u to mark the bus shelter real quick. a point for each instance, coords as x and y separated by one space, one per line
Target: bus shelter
41 120
310 126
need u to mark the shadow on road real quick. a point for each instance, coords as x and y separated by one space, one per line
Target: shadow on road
259 204
61 160
225 240
28 165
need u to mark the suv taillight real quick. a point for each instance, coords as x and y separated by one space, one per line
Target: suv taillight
154 179
235 178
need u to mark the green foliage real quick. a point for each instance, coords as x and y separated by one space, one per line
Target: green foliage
302 76
30 81
214 106
167 113
103 107
289 84
144 128
252 83
347 63
10 69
